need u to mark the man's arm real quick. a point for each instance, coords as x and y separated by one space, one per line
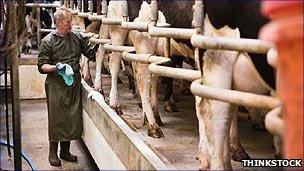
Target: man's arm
48 68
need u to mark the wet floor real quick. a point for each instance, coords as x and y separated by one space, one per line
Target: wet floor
35 141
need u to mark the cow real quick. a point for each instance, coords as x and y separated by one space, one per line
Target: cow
229 70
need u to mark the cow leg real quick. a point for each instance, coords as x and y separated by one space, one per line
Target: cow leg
203 153
143 77
169 104
100 54
154 99
114 66
237 151
86 71
277 142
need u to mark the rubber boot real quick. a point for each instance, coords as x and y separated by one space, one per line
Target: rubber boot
65 152
53 158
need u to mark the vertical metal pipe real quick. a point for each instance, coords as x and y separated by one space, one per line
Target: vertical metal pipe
14 73
6 105
79 5
38 21
198 23
125 10
104 8
154 12
61 2
98 7
91 8
167 47
72 4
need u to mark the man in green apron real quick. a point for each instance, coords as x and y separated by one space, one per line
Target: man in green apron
63 92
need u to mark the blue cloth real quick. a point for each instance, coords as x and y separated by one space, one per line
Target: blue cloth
66 71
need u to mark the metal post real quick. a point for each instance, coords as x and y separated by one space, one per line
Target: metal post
14 73
38 21
90 4
104 8
125 10
198 24
79 5
154 12
6 106
72 4
98 7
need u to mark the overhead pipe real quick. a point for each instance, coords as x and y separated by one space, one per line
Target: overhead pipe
233 96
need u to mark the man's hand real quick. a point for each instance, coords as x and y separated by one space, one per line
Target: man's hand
66 71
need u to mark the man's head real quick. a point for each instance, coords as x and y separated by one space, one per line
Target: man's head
63 21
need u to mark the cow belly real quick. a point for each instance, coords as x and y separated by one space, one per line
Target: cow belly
246 78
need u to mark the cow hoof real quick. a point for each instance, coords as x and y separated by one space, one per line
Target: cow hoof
159 121
170 107
240 154
154 131
118 110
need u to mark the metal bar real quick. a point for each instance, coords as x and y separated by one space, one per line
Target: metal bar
46 30
140 26
235 97
89 34
99 41
83 14
142 58
90 6
6 106
154 12
78 30
225 43
14 75
273 123
179 73
114 48
198 16
38 22
95 17
111 21
32 5
104 7
177 33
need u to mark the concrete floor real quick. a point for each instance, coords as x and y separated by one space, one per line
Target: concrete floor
35 141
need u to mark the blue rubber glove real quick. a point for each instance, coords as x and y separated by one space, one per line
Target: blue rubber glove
66 71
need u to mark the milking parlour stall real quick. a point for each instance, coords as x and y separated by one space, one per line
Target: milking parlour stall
151 85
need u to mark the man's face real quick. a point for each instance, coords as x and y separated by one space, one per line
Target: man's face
64 26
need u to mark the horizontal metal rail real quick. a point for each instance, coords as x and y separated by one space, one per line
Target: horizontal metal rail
142 58
99 41
225 43
273 122
110 21
42 5
140 26
178 73
177 33
89 34
121 49
84 14
233 96
46 30
96 17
